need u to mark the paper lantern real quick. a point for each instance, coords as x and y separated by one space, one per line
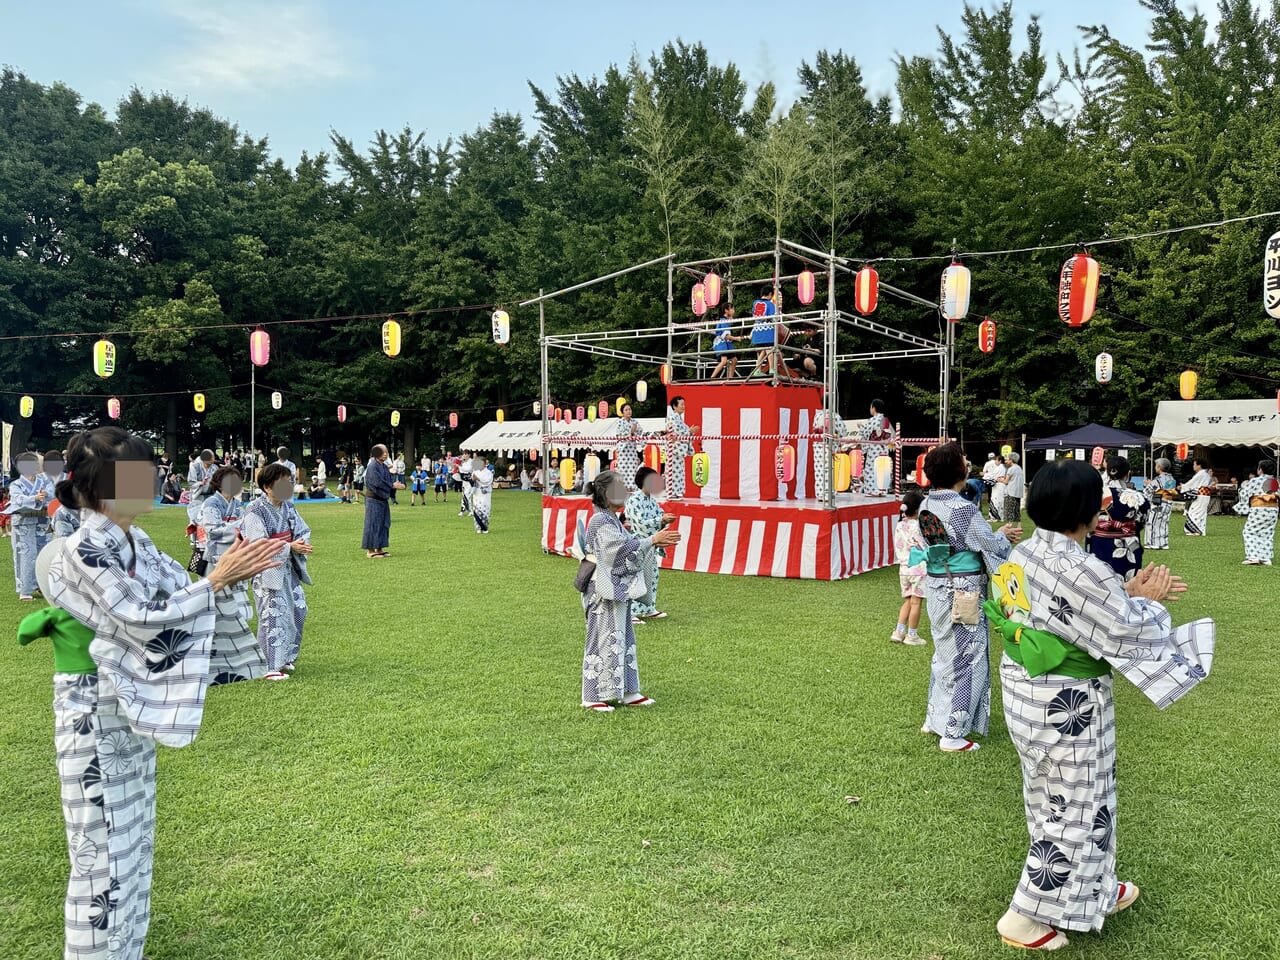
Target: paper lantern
1278 399
652 457
590 467
277 401
26 406
954 301
533 453
699 300
537 408
1097 456
1187 384
104 358
113 408
259 347
501 327
711 289
342 413
1271 277
843 469
555 453
1077 290
642 391
987 335
591 414
622 402
502 416
805 287
198 402
567 470
453 421
884 472
666 374
784 462
1102 368
568 415
1005 451
1183 451
856 462
701 468
603 409
557 414
866 290
921 479
395 418
391 338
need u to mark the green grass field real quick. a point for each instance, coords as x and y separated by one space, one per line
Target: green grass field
428 787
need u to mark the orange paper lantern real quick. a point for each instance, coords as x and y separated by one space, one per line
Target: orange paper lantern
666 374
1183 451
987 335
1077 290
653 456
453 421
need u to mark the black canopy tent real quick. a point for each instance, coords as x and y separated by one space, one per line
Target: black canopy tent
1095 435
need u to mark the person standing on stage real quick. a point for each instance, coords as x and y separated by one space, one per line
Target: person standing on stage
628 446
876 434
679 446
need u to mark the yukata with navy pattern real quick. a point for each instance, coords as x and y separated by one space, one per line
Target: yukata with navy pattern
609 669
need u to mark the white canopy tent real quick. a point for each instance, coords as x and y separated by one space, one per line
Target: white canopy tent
1218 423
517 435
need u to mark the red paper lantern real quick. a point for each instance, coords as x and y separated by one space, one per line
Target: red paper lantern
1097 456
805 287
259 347
987 335
711 289
856 462
1077 290
342 413
699 300
453 421
653 456
557 413
784 462
1183 452
602 409
666 374
533 453
921 479
866 290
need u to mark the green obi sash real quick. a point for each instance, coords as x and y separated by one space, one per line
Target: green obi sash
1041 652
940 561
70 638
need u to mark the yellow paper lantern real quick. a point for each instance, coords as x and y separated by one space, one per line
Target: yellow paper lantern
104 358
843 471
1187 384
391 338
622 402
591 413
501 415
395 418
1005 451
198 402
567 470
884 472
701 467
26 406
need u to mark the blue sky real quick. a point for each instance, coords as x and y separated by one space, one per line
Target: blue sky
293 70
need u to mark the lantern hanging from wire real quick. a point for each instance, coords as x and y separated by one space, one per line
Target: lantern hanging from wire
784 462
453 421
537 408
700 467
1271 277
603 409
277 400
987 335
1077 290
866 290
711 289
395 418
842 467
1005 450
501 415
642 391
198 402
1183 451
533 453
113 408
698 300
1187 384
342 413
806 287
954 301
557 414
104 358
26 406
591 414
666 374
1103 368
580 413
259 347
501 327
568 469
622 402
1097 456
391 338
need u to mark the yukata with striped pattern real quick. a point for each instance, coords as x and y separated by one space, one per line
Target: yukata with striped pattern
1064 728
644 518
29 528
609 669
154 636
1260 527
277 592
960 671
220 517
1157 532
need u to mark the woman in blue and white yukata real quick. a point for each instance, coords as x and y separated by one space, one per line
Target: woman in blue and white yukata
963 548
645 517
610 674
1258 500
220 518
282 606
1159 492
138 680
1067 620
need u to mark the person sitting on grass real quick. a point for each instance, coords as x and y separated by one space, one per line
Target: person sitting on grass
317 491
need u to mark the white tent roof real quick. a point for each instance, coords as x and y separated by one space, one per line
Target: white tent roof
1218 423
526 434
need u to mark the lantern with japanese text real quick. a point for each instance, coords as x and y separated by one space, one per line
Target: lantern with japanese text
198 402
987 335
277 400
1187 384
784 462
501 327
1103 368
395 418
921 478
856 462
453 421
104 358
700 467
591 414
501 415
342 413
26 406
954 299
568 414
698 300
537 408
711 289
259 347
1005 451
1183 451
866 290
642 391
567 470
603 409
805 287
666 374
1097 456
590 467
580 413
113 408
884 472
1077 290
843 469
533 453
1271 277
653 456
391 338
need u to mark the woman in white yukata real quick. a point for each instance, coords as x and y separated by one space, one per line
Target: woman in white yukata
282 606
481 481
630 435
220 519
610 673
1067 619
1258 500
876 432
1198 490
1161 490
141 682
962 548
645 517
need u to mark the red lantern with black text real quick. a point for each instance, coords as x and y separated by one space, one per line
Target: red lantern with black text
987 335
1078 290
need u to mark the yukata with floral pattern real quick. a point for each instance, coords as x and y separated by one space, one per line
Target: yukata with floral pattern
644 517
1064 727
609 669
1117 540
282 606
152 660
822 455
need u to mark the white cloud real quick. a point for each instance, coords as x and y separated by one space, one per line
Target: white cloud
244 46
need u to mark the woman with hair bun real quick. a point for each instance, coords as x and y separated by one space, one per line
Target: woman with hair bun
133 675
